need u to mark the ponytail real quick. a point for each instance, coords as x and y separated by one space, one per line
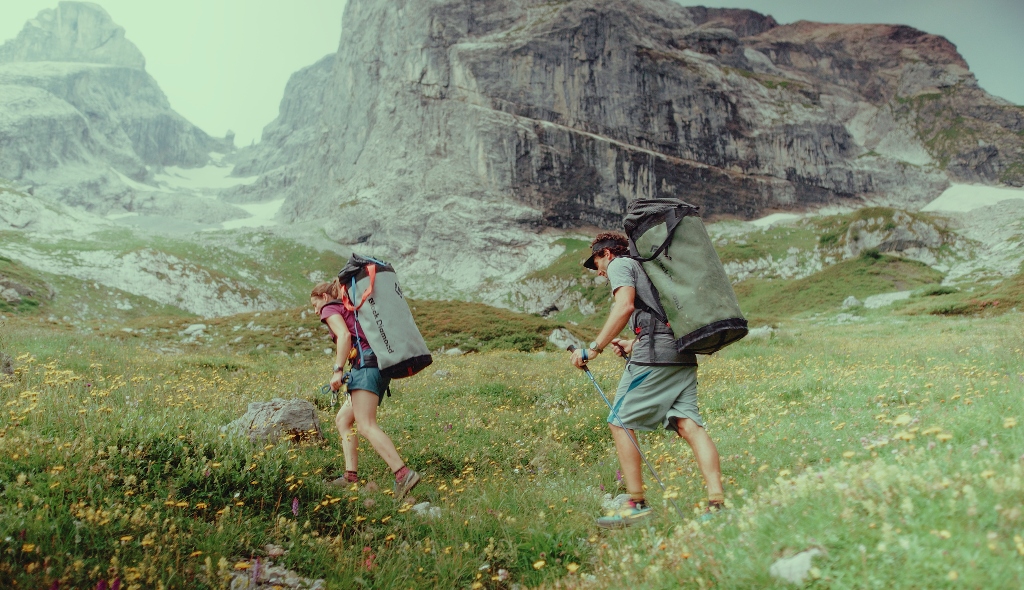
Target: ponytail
332 289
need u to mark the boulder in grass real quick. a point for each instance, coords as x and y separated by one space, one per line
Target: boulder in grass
852 302
794 569
6 364
562 338
294 419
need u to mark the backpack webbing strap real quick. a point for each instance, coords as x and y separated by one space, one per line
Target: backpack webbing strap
672 219
371 271
650 337
355 313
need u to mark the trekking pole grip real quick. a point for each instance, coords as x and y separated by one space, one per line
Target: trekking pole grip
572 348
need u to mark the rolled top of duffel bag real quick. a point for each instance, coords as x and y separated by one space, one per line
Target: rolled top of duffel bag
372 292
669 240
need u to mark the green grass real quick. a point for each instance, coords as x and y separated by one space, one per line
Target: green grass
14 273
472 327
869 274
980 300
833 230
280 267
766 80
774 241
891 445
479 327
569 264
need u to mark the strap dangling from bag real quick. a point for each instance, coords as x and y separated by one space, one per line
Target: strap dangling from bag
371 271
355 314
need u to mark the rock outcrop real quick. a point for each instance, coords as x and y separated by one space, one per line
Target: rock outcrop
450 134
278 418
74 32
81 122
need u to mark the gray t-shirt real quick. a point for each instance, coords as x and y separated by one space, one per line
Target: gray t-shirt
626 272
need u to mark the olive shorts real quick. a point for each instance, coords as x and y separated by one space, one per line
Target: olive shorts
649 398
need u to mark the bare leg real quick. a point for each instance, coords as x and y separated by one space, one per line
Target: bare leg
365 405
705 452
629 459
345 421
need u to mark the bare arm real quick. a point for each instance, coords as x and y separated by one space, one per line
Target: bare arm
619 316
622 308
337 325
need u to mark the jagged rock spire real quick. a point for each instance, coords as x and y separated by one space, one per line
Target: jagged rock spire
73 32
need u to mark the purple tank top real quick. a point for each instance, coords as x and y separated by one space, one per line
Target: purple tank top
336 308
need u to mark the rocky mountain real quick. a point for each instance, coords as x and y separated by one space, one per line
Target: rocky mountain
452 133
82 123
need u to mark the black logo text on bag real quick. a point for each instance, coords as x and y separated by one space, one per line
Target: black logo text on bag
399 291
380 325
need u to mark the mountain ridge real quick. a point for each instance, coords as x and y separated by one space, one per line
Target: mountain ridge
557 114
85 125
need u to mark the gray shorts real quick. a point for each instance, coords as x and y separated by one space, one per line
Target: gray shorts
649 398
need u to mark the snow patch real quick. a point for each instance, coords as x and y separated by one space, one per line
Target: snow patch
261 215
774 218
201 179
960 198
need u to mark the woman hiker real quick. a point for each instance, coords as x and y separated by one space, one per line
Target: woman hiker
366 388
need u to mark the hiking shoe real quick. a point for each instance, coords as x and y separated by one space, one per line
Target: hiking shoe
407 483
341 482
710 513
623 517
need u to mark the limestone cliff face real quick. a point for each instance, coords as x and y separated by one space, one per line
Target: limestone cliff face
78 112
450 132
919 102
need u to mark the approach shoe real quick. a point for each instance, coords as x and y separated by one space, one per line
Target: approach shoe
406 484
624 516
341 482
710 513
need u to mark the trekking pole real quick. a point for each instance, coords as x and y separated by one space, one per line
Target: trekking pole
632 439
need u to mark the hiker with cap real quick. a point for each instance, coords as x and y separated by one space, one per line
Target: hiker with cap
366 389
658 388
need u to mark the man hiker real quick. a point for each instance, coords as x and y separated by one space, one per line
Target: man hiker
658 388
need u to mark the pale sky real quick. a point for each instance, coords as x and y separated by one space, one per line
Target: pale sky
224 63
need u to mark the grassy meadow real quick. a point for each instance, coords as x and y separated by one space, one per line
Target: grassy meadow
893 445
890 440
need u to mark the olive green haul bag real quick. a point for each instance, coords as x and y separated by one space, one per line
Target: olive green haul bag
669 240
371 291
